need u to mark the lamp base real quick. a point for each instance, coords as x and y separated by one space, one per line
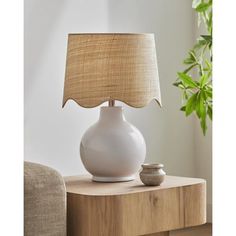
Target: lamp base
113 179
112 150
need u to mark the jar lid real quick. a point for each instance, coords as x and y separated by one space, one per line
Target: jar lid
152 166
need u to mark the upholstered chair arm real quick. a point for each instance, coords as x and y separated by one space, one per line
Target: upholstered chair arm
44 201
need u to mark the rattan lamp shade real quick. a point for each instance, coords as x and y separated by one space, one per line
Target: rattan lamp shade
103 67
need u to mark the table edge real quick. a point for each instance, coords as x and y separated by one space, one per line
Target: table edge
151 189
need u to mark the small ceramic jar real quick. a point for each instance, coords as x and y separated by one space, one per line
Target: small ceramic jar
152 174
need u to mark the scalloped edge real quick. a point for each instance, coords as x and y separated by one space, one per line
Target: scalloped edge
106 100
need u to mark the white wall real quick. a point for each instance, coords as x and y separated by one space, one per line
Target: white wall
52 135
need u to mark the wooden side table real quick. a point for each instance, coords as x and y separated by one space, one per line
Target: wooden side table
130 208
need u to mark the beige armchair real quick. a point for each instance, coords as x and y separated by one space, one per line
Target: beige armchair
44 201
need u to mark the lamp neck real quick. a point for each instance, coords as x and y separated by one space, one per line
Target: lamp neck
111 114
111 103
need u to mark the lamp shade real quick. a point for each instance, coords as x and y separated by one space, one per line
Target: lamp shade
102 67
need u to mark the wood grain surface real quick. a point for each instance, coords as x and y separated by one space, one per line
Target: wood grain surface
130 208
158 234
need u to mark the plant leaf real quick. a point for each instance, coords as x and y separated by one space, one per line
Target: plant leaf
200 44
209 112
209 23
209 66
188 61
208 93
203 121
193 55
179 84
202 7
203 125
191 104
197 94
189 68
192 58
207 38
203 80
195 3
200 106
187 80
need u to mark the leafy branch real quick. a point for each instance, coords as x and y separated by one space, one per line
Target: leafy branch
197 90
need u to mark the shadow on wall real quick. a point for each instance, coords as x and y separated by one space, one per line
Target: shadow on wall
43 16
169 135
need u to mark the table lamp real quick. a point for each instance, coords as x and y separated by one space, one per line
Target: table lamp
112 67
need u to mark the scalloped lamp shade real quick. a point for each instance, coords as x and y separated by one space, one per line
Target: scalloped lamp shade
103 67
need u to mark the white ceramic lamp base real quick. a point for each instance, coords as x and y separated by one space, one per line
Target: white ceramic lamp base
112 149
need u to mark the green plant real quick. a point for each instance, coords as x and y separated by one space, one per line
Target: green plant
195 81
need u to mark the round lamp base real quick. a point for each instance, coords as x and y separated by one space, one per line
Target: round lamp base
112 150
113 179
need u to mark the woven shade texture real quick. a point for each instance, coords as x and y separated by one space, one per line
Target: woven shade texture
103 67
